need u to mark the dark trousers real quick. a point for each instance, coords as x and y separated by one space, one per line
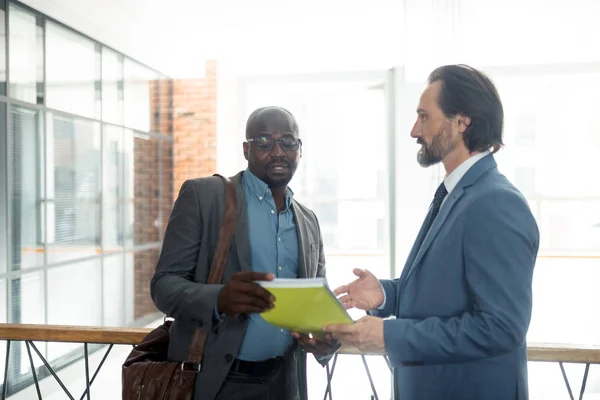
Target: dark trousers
255 381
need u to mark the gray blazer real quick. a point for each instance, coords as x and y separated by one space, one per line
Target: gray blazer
179 287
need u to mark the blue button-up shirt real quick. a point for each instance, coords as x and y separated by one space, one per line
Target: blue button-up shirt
273 249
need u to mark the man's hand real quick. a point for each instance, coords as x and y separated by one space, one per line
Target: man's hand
319 347
242 295
366 334
365 293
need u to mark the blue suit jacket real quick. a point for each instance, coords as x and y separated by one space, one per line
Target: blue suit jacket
463 301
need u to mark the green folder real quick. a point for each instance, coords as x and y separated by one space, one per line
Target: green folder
304 305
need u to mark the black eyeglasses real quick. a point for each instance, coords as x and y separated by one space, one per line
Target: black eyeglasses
266 143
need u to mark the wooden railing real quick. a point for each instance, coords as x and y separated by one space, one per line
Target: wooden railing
537 352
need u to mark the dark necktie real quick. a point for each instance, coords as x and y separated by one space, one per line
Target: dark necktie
438 197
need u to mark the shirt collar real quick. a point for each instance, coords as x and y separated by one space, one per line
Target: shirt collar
261 190
455 176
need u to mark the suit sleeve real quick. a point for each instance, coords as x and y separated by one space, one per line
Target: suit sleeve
388 308
172 288
500 245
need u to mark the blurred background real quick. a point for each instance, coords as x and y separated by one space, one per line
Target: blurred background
107 107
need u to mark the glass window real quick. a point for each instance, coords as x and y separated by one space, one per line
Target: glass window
162 93
129 186
141 92
72 72
112 87
143 276
3 320
146 201
84 285
26 160
113 189
569 225
73 182
27 293
2 48
166 192
525 180
3 191
26 47
113 286
27 301
534 106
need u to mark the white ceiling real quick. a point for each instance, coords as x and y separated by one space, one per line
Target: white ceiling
176 36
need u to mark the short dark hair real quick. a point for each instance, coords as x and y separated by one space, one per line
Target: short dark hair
470 92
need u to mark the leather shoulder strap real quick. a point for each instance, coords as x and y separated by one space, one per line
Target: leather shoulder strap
215 276
228 226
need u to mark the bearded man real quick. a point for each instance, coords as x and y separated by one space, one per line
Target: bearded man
462 304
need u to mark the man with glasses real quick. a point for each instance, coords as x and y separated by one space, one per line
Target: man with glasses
245 357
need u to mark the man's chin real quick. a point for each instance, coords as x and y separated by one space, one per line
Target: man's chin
425 161
277 181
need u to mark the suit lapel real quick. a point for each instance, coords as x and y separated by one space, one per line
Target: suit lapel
435 227
415 248
470 177
241 237
303 250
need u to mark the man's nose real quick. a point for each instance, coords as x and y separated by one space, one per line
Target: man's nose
277 151
415 131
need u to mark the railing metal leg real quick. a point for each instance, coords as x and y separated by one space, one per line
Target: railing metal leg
389 364
5 383
87 370
584 381
370 378
51 370
564 374
330 377
97 370
33 373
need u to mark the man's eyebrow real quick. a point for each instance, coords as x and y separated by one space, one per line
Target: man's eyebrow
283 133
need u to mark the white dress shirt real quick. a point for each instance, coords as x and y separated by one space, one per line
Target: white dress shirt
455 176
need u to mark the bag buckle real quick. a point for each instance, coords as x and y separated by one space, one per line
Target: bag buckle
191 366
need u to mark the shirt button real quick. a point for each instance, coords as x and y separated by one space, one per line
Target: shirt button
228 358
280 267
272 211
282 331
279 239
260 197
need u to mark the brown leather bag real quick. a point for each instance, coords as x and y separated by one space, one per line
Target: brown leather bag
146 373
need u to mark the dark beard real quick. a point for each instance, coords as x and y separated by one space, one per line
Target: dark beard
441 145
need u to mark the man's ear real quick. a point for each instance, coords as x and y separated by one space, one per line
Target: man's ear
463 122
245 146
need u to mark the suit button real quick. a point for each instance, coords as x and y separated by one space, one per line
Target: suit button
243 317
228 358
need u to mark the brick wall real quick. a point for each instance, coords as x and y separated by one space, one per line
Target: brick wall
186 109
195 126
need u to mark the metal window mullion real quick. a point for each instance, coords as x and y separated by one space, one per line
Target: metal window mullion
7 50
44 61
390 102
43 125
98 50
160 191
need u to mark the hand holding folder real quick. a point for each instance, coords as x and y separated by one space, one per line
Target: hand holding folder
304 305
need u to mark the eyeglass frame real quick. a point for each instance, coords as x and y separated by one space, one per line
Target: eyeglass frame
280 141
